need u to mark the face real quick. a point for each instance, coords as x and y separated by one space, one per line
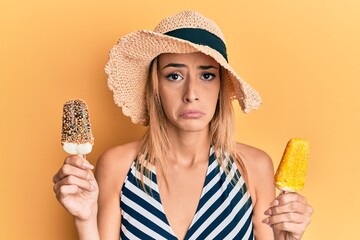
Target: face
189 86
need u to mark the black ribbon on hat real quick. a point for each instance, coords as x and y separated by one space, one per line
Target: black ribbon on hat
201 37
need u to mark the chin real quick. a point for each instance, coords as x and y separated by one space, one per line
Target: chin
193 126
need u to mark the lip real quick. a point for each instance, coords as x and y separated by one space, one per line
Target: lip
191 114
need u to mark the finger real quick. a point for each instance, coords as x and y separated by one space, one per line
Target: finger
67 170
72 180
286 198
288 217
292 207
293 228
66 190
75 161
79 162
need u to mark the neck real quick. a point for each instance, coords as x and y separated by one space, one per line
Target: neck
188 148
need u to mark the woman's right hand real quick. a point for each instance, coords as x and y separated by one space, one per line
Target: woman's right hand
76 188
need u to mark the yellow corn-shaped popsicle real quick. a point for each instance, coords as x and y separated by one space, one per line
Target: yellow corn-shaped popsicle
291 173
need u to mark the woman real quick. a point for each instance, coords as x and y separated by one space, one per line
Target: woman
187 178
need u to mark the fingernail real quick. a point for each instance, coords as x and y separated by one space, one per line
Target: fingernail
89 177
92 187
86 164
266 221
274 203
268 212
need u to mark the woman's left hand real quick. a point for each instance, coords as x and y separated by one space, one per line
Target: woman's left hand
289 215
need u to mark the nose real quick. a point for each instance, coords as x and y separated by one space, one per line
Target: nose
191 91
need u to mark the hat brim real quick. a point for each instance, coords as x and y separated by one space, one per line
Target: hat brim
128 67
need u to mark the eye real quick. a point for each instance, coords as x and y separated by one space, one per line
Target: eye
207 76
174 77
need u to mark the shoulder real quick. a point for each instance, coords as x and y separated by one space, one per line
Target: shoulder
255 160
120 154
259 169
114 163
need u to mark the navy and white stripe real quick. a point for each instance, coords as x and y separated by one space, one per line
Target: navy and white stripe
224 210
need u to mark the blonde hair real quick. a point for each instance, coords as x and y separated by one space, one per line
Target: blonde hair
156 145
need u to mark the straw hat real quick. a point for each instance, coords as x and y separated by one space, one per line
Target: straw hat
185 32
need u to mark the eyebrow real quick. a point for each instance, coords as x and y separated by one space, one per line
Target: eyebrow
207 67
179 65
176 65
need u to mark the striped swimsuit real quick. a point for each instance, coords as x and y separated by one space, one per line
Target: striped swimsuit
224 210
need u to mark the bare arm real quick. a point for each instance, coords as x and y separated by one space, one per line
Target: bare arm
111 171
260 173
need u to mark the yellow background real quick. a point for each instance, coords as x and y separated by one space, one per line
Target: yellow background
302 55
